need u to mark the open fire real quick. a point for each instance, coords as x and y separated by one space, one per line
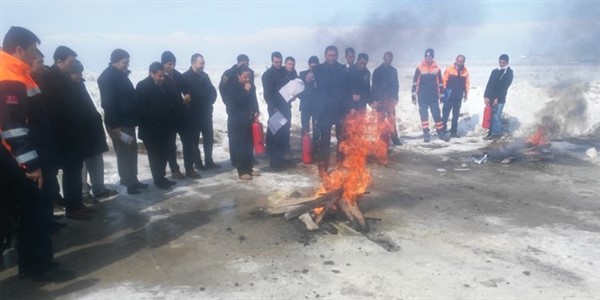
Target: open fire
366 135
538 138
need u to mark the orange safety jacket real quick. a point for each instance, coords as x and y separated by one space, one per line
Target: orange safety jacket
16 89
427 82
457 81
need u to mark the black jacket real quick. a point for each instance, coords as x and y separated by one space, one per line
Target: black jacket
64 110
177 87
308 97
332 90
156 110
92 136
273 80
359 84
385 84
202 91
498 84
228 80
243 104
118 99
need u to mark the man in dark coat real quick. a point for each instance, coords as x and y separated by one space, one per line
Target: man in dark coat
157 112
308 101
495 95
200 114
241 111
93 132
228 79
121 116
385 92
65 106
181 97
331 79
360 84
277 143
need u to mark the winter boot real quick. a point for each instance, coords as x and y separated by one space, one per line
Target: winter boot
426 137
395 140
443 136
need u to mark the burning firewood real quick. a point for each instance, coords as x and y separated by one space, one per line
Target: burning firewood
323 205
365 135
354 214
320 201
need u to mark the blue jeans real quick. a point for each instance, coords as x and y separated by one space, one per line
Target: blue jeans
496 126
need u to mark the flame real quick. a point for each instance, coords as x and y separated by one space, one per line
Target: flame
538 138
365 134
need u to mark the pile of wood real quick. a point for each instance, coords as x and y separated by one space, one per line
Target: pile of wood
312 211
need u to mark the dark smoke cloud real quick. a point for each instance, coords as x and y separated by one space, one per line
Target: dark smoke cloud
567 115
406 29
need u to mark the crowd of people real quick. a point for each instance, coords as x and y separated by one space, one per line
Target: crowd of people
49 122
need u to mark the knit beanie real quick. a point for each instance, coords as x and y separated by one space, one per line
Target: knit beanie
430 52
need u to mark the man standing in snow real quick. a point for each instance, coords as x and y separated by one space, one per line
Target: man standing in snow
385 92
121 116
308 102
427 90
227 83
157 122
178 88
331 80
456 90
360 84
495 95
273 80
199 115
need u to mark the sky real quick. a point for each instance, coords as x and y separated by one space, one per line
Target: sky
220 30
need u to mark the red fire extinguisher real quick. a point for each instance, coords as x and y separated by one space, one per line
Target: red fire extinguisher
306 149
487 116
258 137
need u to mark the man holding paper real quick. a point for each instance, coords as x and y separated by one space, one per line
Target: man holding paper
280 114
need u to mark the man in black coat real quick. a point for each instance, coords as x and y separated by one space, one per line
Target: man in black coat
121 116
199 115
495 95
385 92
226 85
332 91
156 122
242 109
308 101
360 84
277 143
181 97
93 132
65 109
